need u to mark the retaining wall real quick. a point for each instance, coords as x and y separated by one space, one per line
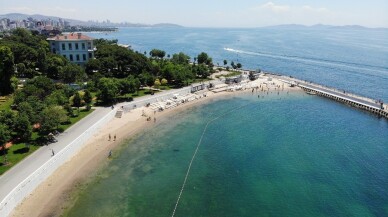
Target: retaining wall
31 182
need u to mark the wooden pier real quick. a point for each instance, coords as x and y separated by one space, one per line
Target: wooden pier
377 108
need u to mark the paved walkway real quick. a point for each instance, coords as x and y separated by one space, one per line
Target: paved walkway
18 173
23 169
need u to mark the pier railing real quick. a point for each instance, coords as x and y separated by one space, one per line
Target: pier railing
341 96
32 181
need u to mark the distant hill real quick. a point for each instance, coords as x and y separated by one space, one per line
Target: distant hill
320 26
73 22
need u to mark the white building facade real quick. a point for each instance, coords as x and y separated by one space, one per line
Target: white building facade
76 47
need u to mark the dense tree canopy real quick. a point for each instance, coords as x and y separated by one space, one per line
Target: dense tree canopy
157 53
6 69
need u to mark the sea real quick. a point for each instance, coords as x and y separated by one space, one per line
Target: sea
286 154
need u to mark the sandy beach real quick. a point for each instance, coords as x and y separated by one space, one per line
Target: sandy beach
56 193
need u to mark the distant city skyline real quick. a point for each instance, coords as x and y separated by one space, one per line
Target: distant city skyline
215 13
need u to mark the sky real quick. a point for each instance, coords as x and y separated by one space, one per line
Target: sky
211 13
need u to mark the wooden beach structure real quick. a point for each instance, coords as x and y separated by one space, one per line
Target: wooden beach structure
374 107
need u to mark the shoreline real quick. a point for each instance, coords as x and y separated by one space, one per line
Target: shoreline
58 192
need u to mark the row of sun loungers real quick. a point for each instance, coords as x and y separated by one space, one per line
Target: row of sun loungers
173 102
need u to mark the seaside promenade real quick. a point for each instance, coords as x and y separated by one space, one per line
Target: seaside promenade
13 182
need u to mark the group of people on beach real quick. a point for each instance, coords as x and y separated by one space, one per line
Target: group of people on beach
114 137
109 139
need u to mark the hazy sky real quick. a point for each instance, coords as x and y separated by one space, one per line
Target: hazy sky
211 13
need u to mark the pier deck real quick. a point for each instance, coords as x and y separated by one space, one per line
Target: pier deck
340 96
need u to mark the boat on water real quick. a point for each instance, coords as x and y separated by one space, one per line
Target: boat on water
311 93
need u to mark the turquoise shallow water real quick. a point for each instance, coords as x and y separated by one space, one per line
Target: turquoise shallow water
284 155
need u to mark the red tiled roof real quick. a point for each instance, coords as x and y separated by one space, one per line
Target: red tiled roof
71 36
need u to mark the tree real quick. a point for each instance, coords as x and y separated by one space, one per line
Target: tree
92 65
21 70
233 65
225 62
157 53
201 70
88 97
203 58
180 58
5 136
157 83
55 66
108 89
72 73
146 78
77 100
51 118
6 70
164 82
239 65
57 97
26 109
7 117
23 127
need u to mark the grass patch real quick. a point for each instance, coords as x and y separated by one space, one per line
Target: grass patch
19 151
231 74
140 93
197 80
16 153
83 113
6 105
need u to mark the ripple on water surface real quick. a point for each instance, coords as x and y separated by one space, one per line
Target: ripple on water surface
295 156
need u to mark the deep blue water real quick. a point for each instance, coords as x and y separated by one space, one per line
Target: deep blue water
353 60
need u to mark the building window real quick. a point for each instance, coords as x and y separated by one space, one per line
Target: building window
70 46
90 55
84 57
89 45
53 44
77 57
71 57
76 46
63 47
83 46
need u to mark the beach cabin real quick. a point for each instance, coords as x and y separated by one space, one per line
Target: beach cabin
232 80
195 88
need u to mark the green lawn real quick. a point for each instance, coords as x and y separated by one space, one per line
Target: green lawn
7 104
19 151
16 153
231 74
140 93
83 113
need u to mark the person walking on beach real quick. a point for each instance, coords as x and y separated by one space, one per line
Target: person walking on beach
154 119
53 153
109 137
110 154
114 137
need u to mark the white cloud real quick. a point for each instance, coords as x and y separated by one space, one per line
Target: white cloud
308 8
273 7
271 13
